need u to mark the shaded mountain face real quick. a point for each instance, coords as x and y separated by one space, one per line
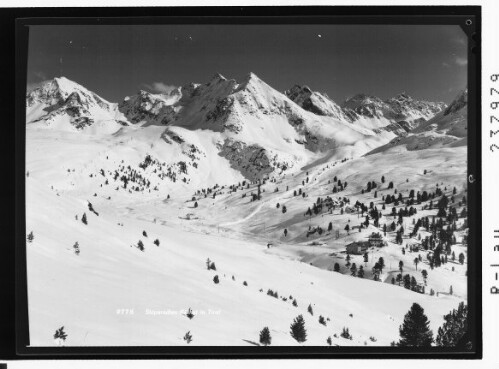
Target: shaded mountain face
316 102
148 107
448 128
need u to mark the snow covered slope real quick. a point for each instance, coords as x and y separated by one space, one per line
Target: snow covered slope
112 293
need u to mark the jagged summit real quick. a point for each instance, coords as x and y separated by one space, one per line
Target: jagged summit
67 105
216 78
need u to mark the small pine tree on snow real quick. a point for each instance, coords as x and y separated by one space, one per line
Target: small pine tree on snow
295 304
415 331
330 227
360 272
345 333
76 248
156 242
84 218
144 233
284 209
210 264
461 258
215 279
298 331
336 267
310 310
322 320
245 283
425 275
353 270
329 341
265 338
188 337
196 204
189 314
60 336
30 237
451 291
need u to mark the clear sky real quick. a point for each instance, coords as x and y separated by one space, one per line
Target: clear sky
426 62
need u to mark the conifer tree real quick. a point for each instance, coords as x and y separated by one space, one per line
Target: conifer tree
353 270
348 260
298 331
415 331
425 275
310 310
336 267
345 333
30 237
84 218
416 262
360 272
60 336
188 337
381 263
265 338
454 329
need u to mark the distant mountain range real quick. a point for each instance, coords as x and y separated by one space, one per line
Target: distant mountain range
256 128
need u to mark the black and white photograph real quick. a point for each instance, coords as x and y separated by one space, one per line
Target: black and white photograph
247 185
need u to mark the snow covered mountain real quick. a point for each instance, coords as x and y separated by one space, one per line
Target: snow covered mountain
253 127
447 128
399 114
269 186
65 105
401 108
146 107
316 102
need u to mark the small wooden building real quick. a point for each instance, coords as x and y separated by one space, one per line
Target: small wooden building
376 240
357 248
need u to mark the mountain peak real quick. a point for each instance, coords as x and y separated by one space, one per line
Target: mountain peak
403 96
217 77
